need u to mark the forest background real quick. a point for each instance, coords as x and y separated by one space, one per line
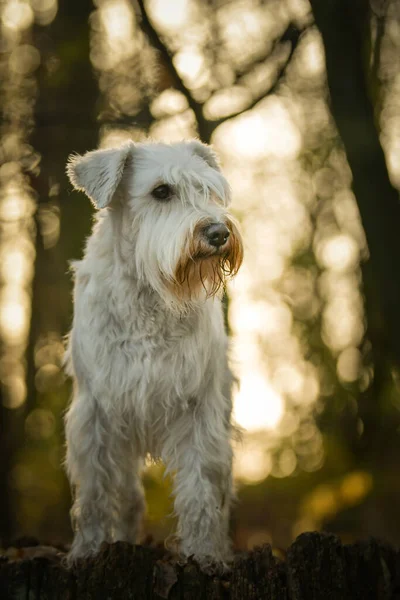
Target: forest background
301 101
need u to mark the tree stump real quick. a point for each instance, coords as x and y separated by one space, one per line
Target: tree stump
317 566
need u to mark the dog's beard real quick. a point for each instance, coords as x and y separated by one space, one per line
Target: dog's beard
205 269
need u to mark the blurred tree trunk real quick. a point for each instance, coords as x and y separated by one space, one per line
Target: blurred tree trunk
344 26
7 435
64 122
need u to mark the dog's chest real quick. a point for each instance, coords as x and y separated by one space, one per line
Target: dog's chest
175 352
137 354
145 353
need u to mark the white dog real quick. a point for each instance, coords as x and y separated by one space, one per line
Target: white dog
148 350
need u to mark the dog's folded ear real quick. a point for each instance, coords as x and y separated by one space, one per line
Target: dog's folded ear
206 153
98 173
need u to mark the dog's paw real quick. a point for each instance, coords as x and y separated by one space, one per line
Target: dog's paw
216 568
81 550
212 566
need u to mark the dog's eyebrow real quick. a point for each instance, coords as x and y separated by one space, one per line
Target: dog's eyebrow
210 184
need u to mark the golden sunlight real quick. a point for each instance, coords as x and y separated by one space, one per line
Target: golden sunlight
342 323
17 15
14 314
45 11
15 388
312 58
24 59
171 16
355 486
169 102
114 137
189 64
257 405
245 30
15 265
40 424
268 131
349 364
253 463
17 205
117 20
339 252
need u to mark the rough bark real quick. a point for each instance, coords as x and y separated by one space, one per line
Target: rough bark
316 566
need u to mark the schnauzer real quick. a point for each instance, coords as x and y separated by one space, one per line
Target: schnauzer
148 350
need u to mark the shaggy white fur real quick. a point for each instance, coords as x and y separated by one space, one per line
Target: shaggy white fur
148 350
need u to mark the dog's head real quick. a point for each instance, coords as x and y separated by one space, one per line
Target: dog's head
172 202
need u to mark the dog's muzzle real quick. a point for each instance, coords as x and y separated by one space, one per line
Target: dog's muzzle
216 234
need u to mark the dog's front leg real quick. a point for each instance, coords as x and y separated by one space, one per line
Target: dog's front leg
202 458
131 499
108 500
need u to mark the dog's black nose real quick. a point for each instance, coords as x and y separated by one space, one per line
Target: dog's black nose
217 234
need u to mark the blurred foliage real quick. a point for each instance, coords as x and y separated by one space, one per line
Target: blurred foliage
311 313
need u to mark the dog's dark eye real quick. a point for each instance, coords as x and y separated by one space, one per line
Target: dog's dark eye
162 192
